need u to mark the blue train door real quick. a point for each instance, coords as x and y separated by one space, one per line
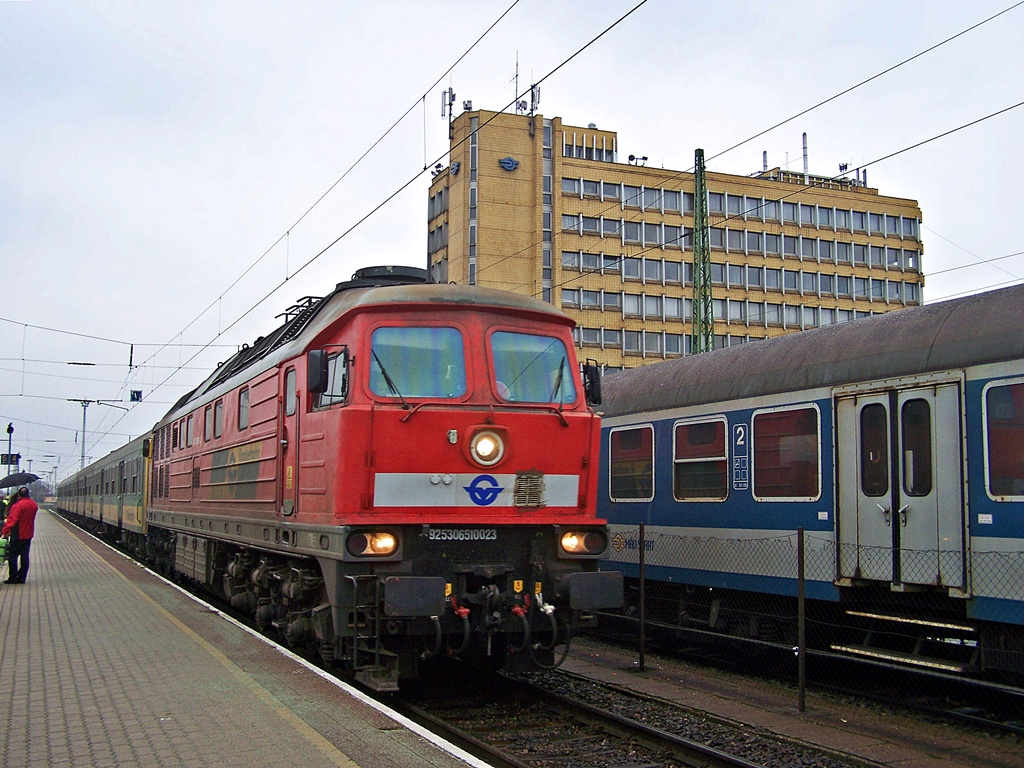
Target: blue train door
900 486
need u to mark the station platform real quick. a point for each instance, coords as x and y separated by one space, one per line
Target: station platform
102 663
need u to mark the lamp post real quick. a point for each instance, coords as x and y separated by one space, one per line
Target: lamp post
10 437
85 405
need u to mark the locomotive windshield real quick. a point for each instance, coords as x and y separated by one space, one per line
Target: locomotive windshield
417 362
532 369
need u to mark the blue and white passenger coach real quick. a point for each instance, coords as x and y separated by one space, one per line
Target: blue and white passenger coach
896 442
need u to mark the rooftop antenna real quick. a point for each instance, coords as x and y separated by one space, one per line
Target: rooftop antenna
447 104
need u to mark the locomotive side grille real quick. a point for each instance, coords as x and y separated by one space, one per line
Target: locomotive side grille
529 490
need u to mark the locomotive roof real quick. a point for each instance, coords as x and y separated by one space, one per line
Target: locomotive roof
986 327
364 292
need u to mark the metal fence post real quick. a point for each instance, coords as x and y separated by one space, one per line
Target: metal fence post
800 619
643 606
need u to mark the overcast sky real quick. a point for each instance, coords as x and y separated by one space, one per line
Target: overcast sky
151 153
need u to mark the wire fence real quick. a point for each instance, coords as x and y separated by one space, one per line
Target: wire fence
788 598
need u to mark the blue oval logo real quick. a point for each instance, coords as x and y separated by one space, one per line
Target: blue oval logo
508 163
483 490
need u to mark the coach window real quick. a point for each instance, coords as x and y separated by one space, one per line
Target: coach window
243 409
701 464
916 425
1004 440
631 458
532 369
218 418
874 450
290 391
417 362
786 455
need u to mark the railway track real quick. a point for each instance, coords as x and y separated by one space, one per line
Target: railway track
994 707
562 719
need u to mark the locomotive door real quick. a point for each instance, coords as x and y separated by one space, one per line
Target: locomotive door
901 515
289 443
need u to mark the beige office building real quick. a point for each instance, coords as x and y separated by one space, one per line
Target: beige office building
534 206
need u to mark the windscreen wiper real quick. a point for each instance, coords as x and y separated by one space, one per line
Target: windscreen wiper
388 380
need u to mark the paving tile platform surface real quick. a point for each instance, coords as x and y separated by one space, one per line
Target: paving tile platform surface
102 663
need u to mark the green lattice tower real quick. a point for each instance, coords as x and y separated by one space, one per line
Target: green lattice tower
702 332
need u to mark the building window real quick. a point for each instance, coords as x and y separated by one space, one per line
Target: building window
734 240
571 186
611 337
652 307
716 202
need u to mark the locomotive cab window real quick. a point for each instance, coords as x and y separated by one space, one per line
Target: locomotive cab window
631 464
417 362
787 459
290 391
243 409
701 462
1004 440
532 369
337 381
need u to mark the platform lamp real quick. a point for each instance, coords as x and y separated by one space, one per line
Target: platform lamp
10 437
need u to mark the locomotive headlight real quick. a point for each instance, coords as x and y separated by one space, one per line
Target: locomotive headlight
584 542
487 448
371 544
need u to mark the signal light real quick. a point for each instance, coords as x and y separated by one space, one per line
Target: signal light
371 544
584 542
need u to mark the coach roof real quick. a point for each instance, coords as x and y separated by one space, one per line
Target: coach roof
986 327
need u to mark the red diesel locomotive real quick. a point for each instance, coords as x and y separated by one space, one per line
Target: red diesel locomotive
401 470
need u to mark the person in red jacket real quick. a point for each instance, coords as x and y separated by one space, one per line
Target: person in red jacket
19 527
